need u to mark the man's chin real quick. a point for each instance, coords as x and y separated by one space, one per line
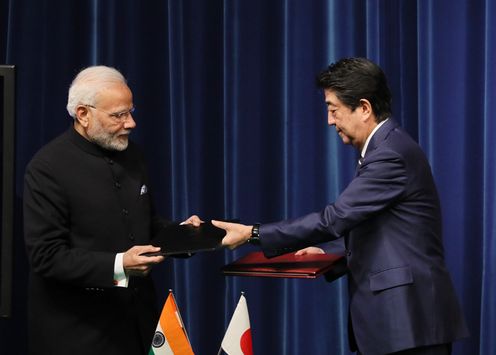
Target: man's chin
344 137
121 144
117 145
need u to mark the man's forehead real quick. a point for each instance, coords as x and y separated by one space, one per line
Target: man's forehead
114 93
331 98
113 88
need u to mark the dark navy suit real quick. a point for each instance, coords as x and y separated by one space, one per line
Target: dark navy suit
401 294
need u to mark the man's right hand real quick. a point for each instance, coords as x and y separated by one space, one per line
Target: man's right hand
236 234
137 264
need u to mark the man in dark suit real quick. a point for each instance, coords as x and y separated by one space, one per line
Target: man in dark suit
401 298
88 217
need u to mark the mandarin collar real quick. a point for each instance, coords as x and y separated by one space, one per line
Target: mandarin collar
89 147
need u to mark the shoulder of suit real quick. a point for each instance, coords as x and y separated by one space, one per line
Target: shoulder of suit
54 149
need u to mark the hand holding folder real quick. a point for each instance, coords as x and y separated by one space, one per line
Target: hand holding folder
188 239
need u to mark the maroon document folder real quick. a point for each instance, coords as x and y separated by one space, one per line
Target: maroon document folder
289 265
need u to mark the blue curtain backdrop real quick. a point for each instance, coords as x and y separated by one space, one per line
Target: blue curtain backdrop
233 127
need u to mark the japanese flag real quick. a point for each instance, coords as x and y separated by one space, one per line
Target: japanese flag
237 340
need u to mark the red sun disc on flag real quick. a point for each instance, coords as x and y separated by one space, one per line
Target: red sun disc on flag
245 343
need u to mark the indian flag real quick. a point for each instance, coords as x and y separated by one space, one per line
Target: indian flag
170 336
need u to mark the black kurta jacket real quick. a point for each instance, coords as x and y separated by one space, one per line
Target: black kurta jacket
82 205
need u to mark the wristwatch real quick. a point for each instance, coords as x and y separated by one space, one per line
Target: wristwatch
255 235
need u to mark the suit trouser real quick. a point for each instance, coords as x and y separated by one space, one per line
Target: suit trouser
442 349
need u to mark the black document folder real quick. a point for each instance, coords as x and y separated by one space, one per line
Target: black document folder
187 239
307 266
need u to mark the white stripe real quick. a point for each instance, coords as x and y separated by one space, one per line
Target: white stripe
165 348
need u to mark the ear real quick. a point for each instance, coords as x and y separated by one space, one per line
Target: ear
82 115
366 107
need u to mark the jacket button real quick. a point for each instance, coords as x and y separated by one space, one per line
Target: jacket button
117 185
131 236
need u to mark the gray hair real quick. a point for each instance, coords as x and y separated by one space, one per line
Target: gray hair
88 83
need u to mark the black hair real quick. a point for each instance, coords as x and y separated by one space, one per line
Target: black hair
353 79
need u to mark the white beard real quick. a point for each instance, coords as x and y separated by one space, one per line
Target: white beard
97 135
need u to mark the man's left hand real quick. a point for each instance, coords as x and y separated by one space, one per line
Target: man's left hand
194 220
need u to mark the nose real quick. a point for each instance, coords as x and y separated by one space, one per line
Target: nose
330 119
129 123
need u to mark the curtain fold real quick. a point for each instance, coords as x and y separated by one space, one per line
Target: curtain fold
233 127
488 247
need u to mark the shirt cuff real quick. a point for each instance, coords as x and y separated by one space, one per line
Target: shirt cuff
120 277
